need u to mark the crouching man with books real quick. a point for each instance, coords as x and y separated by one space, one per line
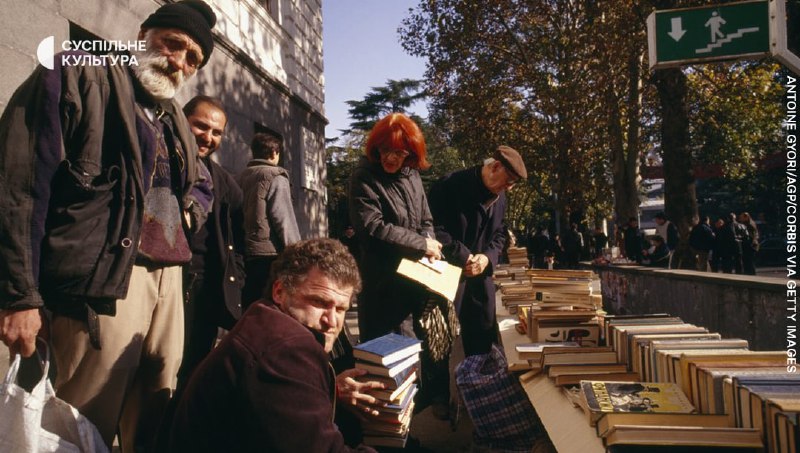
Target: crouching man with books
269 386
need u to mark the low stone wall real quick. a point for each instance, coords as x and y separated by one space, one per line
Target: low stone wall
748 307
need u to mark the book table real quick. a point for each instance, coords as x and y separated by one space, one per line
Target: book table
567 425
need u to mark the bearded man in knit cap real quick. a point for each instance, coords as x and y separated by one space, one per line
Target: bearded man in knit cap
99 184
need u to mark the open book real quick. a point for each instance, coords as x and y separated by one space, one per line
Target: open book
439 276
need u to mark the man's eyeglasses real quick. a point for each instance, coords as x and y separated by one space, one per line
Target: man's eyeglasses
397 153
511 178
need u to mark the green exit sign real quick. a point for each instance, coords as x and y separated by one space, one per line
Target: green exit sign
719 32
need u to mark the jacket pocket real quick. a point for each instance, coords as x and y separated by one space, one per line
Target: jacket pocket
81 206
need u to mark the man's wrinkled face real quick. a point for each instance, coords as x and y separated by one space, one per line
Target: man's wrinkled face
207 124
318 303
498 178
171 58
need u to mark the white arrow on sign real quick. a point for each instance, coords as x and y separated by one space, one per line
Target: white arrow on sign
677 29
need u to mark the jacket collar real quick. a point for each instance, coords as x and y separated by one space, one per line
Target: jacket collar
377 169
255 162
482 194
317 335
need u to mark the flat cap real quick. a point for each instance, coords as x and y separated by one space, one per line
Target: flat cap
511 159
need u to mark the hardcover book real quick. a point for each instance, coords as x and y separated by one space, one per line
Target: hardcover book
404 400
573 379
613 419
387 349
390 395
390 370
601 397
534 351
678 438
389 383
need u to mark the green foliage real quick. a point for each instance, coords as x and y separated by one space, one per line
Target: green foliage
396 96
525 74
735 114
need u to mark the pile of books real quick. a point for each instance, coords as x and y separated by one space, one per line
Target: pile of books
517 257
393 360
556 306
697 390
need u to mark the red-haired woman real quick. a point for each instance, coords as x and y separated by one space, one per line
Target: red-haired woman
390 213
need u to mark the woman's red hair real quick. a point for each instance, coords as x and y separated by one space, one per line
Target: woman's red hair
398 131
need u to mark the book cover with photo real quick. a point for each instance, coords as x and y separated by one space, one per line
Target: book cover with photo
599 397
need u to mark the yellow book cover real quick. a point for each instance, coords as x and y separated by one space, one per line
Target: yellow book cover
608 396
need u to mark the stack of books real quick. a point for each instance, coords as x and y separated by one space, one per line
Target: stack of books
393 360
555 305
517 257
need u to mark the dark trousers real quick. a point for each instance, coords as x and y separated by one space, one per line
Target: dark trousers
203 313
748 260
476 336
732 264
257 269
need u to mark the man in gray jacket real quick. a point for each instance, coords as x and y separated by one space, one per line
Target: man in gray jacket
99 183
269 221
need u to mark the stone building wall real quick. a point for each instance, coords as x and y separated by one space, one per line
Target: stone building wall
266 69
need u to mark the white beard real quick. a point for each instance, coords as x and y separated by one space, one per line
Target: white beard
153 73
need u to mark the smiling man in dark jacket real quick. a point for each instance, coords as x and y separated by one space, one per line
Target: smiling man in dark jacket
99 182
213 280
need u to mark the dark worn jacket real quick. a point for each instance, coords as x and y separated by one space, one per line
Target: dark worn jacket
72 190
226 234
702 237
261 390
269 221
391 217
465 226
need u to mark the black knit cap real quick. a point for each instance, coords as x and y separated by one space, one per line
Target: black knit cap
194 17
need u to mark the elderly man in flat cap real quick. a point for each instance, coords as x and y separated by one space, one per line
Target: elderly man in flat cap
469 208
100 182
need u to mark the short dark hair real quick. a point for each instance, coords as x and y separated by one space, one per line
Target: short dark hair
191 106
265 145
658 239
327 255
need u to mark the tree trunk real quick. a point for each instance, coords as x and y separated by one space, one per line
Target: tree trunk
625 153
680 200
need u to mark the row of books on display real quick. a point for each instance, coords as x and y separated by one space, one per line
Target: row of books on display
394 361
657 383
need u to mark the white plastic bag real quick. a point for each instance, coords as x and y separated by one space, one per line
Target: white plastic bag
39 422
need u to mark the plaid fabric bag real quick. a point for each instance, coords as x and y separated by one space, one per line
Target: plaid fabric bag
501 412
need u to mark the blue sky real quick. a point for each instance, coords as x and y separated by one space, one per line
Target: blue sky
361 50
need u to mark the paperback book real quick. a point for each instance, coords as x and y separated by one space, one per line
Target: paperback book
600 397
